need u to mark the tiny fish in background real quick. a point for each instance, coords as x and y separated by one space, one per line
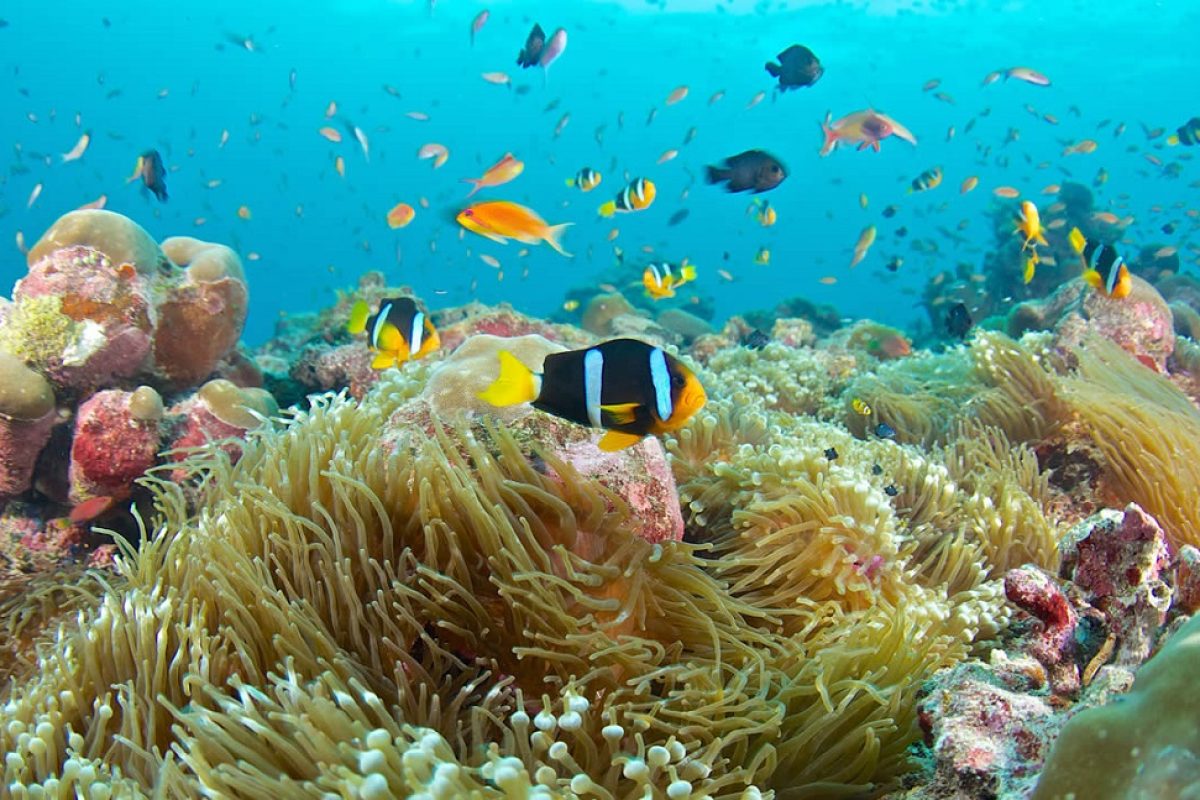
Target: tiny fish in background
500 173
153 174
585 180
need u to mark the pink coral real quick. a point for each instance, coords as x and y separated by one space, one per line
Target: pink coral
111 448
1052 641
110 307
460 323
988 733
1120 561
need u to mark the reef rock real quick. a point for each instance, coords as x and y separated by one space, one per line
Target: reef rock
1140 323
1120 560
116 441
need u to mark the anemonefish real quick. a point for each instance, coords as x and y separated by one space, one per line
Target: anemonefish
639 194
400 331
929 179
663 278
629 388
586 179
1186 134
1103 268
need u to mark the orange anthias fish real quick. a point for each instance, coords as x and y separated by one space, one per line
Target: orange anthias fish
503 171
864 128
1029 225
500 220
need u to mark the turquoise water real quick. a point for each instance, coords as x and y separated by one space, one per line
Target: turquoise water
142 75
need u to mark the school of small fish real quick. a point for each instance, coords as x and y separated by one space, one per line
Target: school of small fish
659 149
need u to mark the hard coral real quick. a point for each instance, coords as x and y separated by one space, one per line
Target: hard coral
197 327
121 239
1146 745
27 414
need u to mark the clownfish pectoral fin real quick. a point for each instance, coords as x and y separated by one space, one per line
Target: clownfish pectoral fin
383 361
1030 267
516 383
619 414
618 440
1077 241
358 317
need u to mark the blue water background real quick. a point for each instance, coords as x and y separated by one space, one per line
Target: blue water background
1130 62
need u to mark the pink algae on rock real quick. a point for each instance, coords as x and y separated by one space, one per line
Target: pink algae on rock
111 447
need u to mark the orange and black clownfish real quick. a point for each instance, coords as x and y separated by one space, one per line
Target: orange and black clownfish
400 331
1104 269
629 388
662 279
637 195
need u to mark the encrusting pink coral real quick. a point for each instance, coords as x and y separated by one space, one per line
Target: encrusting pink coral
111 447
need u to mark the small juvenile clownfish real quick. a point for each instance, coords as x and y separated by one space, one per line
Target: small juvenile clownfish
663 278
629 388
929 179
586 179
1103 268
639 194
398 332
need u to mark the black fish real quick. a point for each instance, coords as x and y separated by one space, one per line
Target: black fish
154 174
755 340
798 67
678 217
532 51
753 170
890 490
885 431
958 320
831 453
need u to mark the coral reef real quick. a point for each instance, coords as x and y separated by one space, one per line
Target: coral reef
1143 746
101 326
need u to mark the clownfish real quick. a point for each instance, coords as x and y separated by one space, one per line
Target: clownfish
929 179
629 388
662 279
1103 268
398 332
586 179
639 194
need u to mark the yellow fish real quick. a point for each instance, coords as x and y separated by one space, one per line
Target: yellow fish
662 279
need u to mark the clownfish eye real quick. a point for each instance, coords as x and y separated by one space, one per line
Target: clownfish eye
677 381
